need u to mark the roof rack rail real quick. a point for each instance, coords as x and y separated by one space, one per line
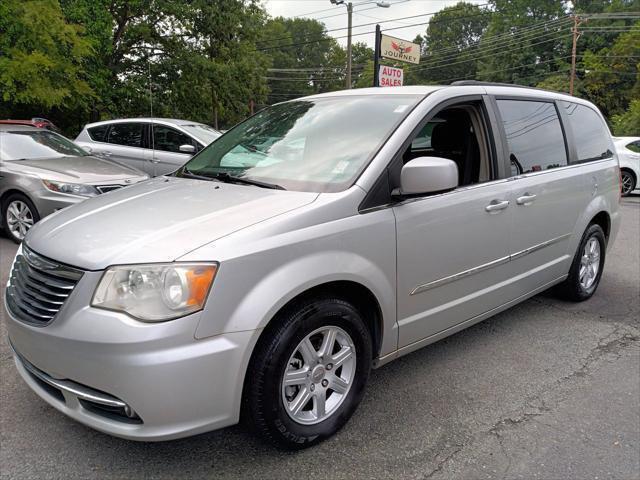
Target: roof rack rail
487 84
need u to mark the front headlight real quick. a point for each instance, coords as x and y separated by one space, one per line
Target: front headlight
158 292
71 188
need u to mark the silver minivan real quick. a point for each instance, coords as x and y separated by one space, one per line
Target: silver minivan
319 238
156 146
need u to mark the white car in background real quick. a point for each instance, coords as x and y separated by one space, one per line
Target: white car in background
628 149
156 146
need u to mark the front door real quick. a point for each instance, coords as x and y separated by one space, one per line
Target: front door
453 247
453 254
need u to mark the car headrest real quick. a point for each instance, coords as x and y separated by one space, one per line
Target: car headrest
446 137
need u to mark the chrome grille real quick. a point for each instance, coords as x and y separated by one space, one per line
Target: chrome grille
38 287
108 188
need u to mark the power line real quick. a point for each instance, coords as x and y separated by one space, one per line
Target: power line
486 12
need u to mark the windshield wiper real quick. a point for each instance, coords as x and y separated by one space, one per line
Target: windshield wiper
226 178
186 173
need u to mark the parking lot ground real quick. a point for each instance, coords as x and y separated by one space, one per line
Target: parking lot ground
546 390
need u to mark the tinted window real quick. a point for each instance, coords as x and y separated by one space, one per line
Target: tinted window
98 133
129 134
534 135
169 139
589 132
634 146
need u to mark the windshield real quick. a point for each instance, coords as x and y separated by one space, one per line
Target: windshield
317 145
202 132
29 144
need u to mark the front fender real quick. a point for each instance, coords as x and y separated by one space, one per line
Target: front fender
251 288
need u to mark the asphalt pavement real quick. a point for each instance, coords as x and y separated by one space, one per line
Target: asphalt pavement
545 390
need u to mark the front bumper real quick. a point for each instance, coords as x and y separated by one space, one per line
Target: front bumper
175 385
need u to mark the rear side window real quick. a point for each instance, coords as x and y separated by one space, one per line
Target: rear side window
99 134
590 134
634 146
534 135
129 134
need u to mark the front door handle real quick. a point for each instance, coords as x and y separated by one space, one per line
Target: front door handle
526 199
496 205
154 160
106 153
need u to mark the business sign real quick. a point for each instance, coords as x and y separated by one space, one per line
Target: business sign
400 50
390 76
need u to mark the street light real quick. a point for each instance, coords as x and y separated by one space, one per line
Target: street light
349 6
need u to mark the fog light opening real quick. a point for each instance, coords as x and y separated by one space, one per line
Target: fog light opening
128 411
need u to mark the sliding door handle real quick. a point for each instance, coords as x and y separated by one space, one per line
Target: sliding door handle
497 205
526 199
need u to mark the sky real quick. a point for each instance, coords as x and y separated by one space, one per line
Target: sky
364 11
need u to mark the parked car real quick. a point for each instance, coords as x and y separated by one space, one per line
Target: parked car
156 146
42 171
37 122
318 238
628 149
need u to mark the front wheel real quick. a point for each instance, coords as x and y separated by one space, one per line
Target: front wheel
19 214
586 269
308 373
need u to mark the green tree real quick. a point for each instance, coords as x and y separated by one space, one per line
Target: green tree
523 42
304 59
451 44
628 123
42 58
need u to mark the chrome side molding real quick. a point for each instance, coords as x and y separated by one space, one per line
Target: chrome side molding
485 266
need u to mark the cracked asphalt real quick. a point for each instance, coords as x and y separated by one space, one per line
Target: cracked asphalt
545 390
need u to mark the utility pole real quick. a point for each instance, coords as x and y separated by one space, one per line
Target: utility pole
576 35
381 4
349 15
376 58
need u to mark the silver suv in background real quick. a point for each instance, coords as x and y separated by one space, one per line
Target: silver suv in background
154 145
319 238
42 171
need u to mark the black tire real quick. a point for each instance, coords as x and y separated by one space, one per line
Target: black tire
4 207
629 178
263 403
571 289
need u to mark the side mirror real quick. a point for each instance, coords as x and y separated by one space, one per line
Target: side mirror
186 148
428 175
87 149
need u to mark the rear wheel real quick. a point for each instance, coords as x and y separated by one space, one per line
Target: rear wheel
586 269
19 214
308 372
628 182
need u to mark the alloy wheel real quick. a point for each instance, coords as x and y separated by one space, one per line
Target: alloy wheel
589 263
319 374
19 219
627 183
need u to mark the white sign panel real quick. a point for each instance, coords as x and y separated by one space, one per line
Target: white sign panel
390 76
398 49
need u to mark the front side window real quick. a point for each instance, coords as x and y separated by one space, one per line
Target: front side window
590 134
128 134
22 144
169 139
317 145
534 135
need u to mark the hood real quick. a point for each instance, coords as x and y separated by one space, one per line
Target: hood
88 170
156 221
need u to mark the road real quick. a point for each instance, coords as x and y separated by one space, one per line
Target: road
547 390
